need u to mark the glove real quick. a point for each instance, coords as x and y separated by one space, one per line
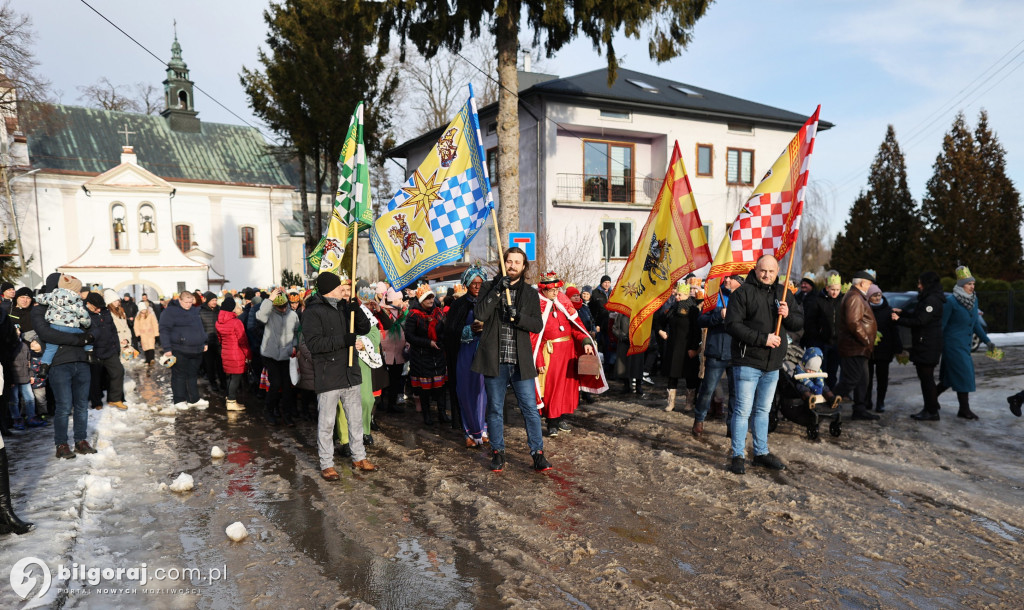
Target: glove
512 313
504 282
991 346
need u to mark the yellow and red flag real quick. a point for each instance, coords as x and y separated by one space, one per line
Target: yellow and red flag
770 221
671 244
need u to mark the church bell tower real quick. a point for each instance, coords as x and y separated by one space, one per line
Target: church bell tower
179 104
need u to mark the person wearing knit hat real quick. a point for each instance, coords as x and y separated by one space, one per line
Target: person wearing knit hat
886 347
856 332
327 282
961 321
598 299
146 328
925 323
234 350
280 339
208 314
7 294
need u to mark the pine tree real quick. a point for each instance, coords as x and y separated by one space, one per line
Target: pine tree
854 245
894 214
999 210
949 210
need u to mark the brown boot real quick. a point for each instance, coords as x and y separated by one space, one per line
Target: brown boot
671 404
364 465
698 429
330 474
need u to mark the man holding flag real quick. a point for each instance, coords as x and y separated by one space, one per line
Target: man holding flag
763 232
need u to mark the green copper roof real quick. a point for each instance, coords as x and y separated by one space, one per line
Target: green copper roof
88 140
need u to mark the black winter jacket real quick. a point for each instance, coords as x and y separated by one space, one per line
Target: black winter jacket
822 317
890 345
328 336
182 330
751 317
425 361
106 344
72 346
209 318
489 310
925 323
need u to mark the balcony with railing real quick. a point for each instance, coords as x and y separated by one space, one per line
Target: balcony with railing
591 188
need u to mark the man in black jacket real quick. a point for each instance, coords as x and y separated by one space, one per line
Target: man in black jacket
211 357
106 355
328 335
925 323
757 355
505 355
69 379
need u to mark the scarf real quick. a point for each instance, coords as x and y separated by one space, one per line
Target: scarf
967 300
433 317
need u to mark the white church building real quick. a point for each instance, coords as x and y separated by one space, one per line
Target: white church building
153 203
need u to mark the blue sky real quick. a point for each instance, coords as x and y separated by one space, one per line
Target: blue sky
912 63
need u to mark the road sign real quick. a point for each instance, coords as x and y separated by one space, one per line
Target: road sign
526 241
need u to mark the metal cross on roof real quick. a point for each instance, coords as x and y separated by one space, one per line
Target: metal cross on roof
126 134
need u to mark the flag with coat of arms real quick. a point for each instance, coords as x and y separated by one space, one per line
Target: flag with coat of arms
671 245
433 217
769 222
351 203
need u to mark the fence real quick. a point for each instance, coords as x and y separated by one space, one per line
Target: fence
1003 310
606 189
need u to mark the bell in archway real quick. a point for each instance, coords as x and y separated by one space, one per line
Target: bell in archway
147 225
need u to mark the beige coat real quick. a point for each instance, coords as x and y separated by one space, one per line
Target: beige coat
147 329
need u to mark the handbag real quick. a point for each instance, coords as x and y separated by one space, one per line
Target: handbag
588 365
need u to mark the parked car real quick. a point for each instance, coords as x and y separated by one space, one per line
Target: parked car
907 301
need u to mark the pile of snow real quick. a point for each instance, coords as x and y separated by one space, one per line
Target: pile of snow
236 531
217 453
184 482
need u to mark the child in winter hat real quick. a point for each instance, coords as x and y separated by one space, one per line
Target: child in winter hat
65 311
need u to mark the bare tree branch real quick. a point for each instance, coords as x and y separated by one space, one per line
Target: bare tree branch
18 78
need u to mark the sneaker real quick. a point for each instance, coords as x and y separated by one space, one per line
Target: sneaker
1015 403
769 461
497 460
202 403
540 463
232 405
84 447
64 452
364 465
36 422
552 431
564 427
737 465
119 405
181 406
19 424
647 379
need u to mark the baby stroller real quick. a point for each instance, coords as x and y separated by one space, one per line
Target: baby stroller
801 395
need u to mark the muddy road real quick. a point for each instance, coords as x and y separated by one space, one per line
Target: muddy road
636 513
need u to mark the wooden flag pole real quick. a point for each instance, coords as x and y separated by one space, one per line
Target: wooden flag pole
352 283
501 259
785 286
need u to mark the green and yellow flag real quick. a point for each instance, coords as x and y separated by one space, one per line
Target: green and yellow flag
352 202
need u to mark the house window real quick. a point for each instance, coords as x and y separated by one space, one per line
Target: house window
183 237
119 227
492 128
615 114
492 165
705 159
739 166
608 171
741 127
616 238
248 242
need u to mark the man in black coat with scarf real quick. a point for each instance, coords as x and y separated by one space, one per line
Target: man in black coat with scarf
505 355
925 323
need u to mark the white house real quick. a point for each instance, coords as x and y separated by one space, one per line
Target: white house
154 202
592 158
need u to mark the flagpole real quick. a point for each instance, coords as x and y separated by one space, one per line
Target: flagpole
501 259
785 286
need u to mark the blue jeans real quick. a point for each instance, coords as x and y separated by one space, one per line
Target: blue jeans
713 370
70 385
754 390
527 397
24 392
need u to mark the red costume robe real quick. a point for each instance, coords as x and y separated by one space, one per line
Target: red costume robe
558 347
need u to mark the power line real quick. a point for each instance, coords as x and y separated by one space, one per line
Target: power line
163 63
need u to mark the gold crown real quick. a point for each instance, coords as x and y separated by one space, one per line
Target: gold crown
962 272
834 280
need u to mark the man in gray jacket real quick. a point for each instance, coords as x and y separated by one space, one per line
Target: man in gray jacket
279 342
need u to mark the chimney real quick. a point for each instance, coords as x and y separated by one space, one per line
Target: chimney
128 155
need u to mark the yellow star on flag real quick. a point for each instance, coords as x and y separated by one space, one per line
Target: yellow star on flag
423 194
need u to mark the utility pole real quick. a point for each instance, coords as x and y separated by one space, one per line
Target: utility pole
14 217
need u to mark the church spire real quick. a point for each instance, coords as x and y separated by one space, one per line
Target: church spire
178 92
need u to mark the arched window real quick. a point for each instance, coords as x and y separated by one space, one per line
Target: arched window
147 227
248 242
119 227
182 99
183 237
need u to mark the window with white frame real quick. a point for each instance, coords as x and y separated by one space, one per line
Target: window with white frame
616 238
739 166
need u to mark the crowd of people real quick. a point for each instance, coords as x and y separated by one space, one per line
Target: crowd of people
342 355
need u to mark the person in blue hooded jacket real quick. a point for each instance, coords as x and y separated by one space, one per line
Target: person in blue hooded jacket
182 334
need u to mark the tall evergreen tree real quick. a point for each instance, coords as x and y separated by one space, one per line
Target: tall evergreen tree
895 214
856 243
999 209
949 209
433 24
